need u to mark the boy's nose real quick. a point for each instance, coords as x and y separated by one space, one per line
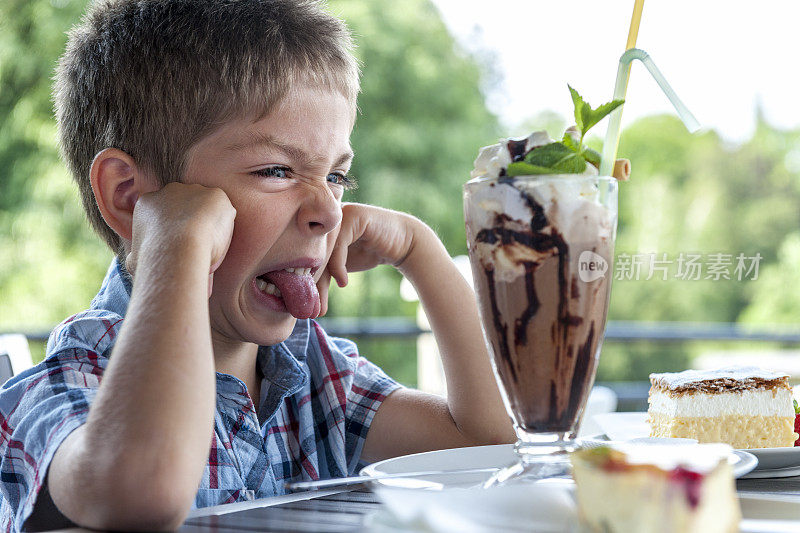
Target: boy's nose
321 212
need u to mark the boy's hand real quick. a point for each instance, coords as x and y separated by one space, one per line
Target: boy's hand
369 236
180 215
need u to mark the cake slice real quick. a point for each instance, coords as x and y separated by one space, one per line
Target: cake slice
746 407
656 488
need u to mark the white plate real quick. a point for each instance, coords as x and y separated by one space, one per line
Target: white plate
791 471
496 456
626 426
778 459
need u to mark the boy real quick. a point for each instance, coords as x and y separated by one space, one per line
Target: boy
210 143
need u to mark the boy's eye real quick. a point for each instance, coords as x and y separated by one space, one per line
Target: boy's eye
339 178
278 171
273 172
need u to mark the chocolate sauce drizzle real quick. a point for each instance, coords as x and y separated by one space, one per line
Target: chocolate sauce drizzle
541 242
516 149
521 324
538 240
501 328
582 372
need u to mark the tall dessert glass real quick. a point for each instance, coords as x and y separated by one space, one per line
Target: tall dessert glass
541 249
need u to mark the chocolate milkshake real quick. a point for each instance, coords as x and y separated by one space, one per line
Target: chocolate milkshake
540 247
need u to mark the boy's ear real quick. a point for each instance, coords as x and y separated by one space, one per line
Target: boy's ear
117 183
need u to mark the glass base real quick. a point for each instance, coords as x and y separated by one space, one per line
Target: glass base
541 456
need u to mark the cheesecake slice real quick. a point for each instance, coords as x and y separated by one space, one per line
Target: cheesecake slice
656 489
746 407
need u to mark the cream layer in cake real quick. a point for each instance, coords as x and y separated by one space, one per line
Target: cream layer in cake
746 407
656 488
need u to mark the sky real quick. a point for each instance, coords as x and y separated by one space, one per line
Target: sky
721 58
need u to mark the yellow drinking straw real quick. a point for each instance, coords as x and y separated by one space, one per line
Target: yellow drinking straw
620 88
633 32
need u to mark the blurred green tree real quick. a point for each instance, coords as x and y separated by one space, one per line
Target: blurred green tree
693 194
50 262
776 302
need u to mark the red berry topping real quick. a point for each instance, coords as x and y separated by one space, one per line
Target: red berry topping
797 428
690 482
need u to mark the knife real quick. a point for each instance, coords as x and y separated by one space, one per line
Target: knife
358 480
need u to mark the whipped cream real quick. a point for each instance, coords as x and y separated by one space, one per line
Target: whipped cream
494 158
759 402
571 204
573 207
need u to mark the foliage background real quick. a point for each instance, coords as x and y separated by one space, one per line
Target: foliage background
423 117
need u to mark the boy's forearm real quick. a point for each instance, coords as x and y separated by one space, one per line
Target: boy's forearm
161 373
449 303
151 422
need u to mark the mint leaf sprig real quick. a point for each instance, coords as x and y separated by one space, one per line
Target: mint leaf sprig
570 155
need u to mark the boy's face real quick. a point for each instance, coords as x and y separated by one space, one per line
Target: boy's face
284 175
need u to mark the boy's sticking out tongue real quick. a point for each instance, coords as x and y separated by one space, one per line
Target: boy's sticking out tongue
298 291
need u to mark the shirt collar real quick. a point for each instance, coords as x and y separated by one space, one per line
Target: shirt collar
283 364
115 293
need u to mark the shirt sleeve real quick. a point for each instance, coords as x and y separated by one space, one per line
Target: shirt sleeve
39 408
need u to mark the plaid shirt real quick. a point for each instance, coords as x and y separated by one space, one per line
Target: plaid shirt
318 397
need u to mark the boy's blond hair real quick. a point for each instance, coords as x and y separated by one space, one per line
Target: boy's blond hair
152 77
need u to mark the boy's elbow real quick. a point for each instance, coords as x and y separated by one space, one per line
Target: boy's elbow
128 490
152 517
151 509
135 501
155 499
